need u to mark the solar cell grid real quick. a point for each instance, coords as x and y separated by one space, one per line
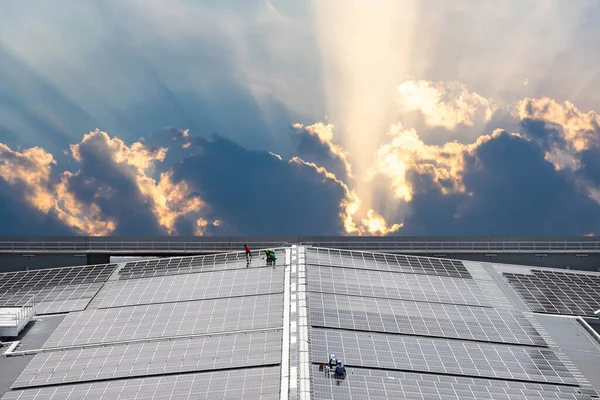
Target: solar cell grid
241 282
250 383
557 292
50 294
376 384
153 358
427 319
183 265
175 319
371 283
386 262
397 352
37 279
62 306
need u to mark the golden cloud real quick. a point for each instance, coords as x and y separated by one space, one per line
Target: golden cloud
324 132
407 152
276 155
373 223
33 169
579 130
445 104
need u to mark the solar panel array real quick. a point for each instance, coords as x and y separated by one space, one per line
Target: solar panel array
185 265
557 292
211 332
373 283
177 319
422 319
187 287
153 358
55 289
212 327
387 262
403 352
247 383
423 334
377 384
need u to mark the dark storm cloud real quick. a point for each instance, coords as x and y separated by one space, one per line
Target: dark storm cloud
514 192
17 217
590 165
112 187
311 149
546 134
254 193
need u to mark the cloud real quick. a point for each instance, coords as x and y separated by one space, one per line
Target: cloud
510 188
174 182
407 153
32 168
373 223
565 130
254 193
316 141
445 104
276 156
112 192
118 178
20 218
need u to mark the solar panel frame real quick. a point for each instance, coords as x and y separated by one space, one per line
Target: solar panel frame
387 262
149 358
377 384
499 325
557 292
36 279
56 290
232 384
373 283
195 264
187 287
441 356
176 319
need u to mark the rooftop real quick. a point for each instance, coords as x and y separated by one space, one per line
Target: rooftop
218 326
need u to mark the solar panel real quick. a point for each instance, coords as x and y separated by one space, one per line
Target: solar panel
387 262
185 265
153 358
26 281
408 353
62 306
55 289
427 319
186 318
241 282
557 292
369 283
377 384
247 383
53 299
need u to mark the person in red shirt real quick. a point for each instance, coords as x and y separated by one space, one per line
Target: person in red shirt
248 253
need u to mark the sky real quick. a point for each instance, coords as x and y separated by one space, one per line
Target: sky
338 117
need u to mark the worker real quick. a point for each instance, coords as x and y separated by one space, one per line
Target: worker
340 370
270 255
332 361
248 253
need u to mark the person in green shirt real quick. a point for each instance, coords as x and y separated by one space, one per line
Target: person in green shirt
271 257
